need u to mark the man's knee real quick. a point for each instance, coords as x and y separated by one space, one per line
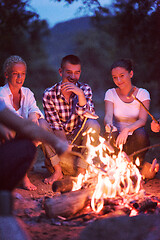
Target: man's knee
92 123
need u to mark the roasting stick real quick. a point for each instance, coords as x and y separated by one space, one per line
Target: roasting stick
87 115
107 143
130 94
143 149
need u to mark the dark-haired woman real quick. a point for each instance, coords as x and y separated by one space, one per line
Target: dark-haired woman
125 114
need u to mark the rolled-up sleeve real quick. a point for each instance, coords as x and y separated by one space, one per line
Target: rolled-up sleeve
32 105
89 105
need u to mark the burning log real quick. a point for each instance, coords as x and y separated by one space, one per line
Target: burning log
145 205
64 185
113 214
68 204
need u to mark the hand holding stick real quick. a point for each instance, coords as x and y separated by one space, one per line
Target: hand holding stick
87 114
130 94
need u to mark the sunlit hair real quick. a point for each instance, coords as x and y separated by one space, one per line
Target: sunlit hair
9 63
71 59
123 63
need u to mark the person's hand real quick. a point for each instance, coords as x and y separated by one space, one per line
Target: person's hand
108 128
122 137
6 133
155 127
71 87
34 118
88 114
62 147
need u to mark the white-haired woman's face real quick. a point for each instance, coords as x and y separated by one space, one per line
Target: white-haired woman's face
16 75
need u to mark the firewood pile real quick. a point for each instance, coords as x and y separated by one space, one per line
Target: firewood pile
73 208
113 190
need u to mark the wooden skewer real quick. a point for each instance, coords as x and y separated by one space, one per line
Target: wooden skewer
131 94
144 149
87 115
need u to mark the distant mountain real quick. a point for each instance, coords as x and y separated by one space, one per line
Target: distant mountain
74 25
62 39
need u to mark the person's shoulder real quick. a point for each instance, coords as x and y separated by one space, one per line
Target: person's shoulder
109 94
4 89
86 85
110 91
26 90
142 92
51 90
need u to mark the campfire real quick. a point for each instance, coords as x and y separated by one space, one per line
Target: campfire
111 186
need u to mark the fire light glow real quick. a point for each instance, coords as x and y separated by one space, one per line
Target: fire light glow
117 177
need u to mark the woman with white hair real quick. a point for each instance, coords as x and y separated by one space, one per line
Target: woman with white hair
21 101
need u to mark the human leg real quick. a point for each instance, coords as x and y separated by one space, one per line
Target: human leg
94 126
27 184
138 140
94 135
16 157
51 158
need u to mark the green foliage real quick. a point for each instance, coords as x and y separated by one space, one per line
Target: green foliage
91 48
129 29
40 75
135 29
22 33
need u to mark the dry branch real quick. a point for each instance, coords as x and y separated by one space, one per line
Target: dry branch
144 149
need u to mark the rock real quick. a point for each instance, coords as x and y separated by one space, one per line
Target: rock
141 227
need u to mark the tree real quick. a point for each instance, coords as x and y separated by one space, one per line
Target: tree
135 28
14 23
22 33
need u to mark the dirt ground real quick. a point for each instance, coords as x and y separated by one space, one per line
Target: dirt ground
28 205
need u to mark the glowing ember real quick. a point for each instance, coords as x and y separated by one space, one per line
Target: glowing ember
113 175
137 162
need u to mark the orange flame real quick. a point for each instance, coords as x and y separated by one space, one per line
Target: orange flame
118 177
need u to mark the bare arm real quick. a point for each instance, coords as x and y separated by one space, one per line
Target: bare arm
30 130
141 121
6 133
33 116
108 119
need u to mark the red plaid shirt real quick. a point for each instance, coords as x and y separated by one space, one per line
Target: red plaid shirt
60 114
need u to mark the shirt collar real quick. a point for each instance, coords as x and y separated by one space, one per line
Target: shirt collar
10 93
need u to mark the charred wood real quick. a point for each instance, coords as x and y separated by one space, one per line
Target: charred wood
67 204
64 185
